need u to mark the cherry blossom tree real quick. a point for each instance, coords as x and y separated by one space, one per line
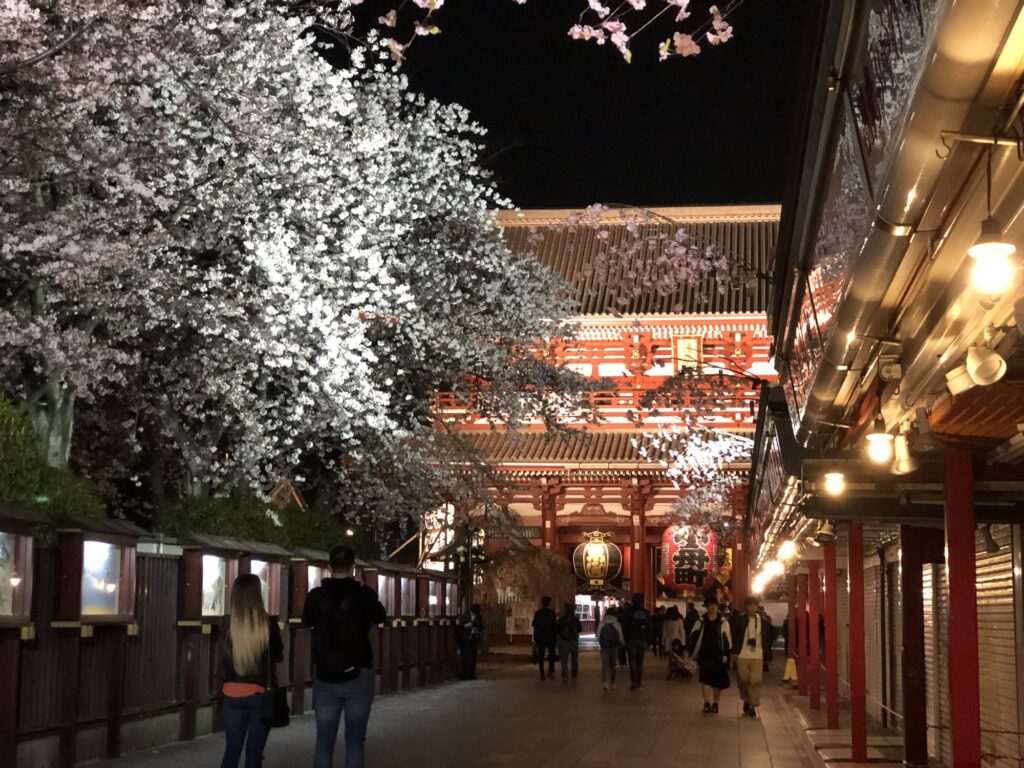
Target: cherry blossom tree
253 260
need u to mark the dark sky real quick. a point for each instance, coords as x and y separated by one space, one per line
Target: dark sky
571 123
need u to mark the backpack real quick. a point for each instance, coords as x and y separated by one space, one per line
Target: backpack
340 647
608 638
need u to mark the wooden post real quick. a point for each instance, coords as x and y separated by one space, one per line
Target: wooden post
299 588
10 667
915 701
68 631
802 632
190 620
858 679
831 638
964 686
814 625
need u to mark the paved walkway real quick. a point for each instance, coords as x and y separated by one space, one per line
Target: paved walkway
510 718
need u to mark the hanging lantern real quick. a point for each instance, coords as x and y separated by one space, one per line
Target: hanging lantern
689 558
597 561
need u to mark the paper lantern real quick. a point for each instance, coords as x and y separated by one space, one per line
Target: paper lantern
597 561
688 557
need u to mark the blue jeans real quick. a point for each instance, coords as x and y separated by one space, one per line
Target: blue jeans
330 700
609 660
569 650
243 728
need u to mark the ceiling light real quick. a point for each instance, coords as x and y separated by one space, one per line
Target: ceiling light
958 380
992 274
787 550
758 584
991 241
926 441
879 443
834 484
810 541
903 463
774 568
826 533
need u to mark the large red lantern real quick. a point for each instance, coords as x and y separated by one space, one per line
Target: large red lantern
689 559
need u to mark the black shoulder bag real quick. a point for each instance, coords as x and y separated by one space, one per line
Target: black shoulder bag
274 710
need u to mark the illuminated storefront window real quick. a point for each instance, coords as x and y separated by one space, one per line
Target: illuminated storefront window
386 593
262 569
101 579
408 596
214 586
315 576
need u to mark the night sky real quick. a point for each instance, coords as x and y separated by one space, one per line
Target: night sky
571 123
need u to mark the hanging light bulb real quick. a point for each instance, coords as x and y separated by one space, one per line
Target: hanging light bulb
991 241
992 273
787 550
879 443
834 484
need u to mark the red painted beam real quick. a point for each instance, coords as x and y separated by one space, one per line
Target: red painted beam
915 701
803 652
965 703
858 678
814 619
831 638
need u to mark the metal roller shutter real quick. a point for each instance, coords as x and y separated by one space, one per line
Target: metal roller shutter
997 650
894 643
930 653
941 619
873 647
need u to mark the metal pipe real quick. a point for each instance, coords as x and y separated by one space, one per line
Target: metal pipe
977 138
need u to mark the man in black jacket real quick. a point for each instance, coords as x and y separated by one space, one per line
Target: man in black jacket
342 612
545 634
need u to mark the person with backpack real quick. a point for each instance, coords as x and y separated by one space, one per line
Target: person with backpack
341 612
610 639
636 626
545 636
710 646
569 630
250 650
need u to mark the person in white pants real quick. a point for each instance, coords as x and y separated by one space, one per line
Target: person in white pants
752 642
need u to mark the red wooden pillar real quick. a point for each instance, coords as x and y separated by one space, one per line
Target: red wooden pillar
965 698
740 575
68 629
831 638
298 580
858 679
814 627
803 652
791 634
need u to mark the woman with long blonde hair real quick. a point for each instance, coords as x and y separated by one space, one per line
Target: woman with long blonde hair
250 650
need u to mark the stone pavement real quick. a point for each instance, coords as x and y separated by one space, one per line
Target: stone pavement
510 718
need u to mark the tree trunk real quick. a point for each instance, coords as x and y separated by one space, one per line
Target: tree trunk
54 421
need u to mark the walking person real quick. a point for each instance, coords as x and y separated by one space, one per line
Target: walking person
657 625
753 642
772 633
610 639
545 635
250 650
710 645
341 612
471 628
569 630
636 626
673 628
690 619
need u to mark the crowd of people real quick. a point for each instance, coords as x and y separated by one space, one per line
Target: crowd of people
709 646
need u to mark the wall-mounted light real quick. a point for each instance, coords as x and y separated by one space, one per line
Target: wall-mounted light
879 442
959 380
984 365
834 483
903 462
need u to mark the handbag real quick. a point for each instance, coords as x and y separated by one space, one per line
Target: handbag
274 710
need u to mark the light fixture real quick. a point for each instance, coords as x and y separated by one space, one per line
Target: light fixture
903 462
879 443
15 580
349 532
810 541
758 584
826 533
990 242
834 483
926 441
984 365
774 568
787 550
992 275
991 545
958 380
993 270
